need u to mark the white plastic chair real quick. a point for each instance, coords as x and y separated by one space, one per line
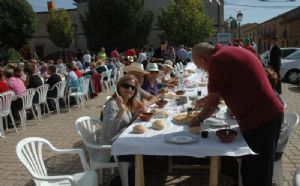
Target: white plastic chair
297 178
5 102
81 91
290 122
60 87
114 79
99 154
108 82
27 98
42 92
29 152
120 73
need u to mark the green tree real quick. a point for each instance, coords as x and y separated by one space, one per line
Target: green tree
116 23
17 23
185 22
59 28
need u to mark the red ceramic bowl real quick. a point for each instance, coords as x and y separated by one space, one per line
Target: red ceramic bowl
226 136
146 116
161 103
179 92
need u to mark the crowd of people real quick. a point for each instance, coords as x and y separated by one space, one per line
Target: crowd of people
235 74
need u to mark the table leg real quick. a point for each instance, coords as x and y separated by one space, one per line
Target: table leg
139 170
214 171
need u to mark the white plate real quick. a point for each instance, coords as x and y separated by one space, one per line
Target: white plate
181 138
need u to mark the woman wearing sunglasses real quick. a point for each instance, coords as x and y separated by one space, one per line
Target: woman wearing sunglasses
120 109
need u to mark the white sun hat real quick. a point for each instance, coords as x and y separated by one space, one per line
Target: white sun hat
152 67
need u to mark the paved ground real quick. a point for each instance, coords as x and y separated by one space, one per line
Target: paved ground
59 129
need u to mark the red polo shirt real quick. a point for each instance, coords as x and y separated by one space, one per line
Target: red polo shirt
240 78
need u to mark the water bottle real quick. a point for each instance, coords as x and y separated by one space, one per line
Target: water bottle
181 79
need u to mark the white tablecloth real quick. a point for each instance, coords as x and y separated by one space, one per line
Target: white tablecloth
152 142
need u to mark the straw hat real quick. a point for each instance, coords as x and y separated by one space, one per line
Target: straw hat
168 63
135 67
152 67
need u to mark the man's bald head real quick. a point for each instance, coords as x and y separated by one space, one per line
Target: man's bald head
201 53
203 49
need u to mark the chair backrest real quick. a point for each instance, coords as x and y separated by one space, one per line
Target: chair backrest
27 98
5 102
42 92
86 86
109 74
291 120
86 128
29 152
60 87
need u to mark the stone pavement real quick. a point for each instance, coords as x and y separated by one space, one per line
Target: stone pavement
59 130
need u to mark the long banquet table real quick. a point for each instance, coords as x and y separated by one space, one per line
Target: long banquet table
153 142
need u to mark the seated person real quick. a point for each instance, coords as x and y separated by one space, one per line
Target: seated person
3 85
150 83
52 80
71 76
32 80
18 86
138 71
101 68
119 110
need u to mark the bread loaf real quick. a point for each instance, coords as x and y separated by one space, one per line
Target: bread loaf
158 124
139 129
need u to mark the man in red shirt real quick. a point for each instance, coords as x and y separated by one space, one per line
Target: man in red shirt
238 77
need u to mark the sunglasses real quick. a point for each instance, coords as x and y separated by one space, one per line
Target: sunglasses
127 86
154 72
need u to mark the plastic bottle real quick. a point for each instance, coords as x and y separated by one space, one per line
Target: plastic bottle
181 79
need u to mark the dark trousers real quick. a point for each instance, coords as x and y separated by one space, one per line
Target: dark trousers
257 170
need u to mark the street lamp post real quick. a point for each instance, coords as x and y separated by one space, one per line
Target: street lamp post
239 18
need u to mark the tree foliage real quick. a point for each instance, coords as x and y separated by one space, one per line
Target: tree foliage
116 23
17 23
9 55
185 22
59 28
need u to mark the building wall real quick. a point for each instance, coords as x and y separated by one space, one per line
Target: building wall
284 27
42 45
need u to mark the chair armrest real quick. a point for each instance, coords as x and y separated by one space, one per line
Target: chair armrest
57 178
80 152
99 147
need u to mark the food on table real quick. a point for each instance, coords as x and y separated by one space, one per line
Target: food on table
226 135
160 113
202 84
170 95
139 129
179 92
195 129
158 124
163 91
184 117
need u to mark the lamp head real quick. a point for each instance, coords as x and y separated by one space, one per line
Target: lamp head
239 17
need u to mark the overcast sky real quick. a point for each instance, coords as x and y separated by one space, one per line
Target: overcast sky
254 11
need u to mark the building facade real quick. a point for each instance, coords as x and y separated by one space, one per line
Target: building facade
43 46
285 27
